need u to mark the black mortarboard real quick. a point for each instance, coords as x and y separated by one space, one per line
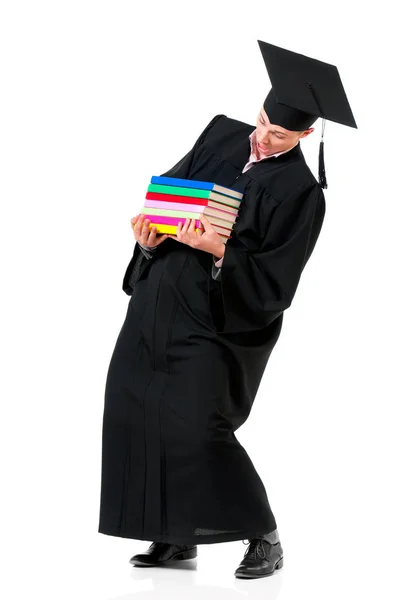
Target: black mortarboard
304 89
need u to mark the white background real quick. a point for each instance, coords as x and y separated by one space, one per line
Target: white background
96 96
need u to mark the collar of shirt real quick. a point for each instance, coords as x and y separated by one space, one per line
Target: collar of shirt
253 155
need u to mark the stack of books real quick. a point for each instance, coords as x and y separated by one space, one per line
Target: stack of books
170 200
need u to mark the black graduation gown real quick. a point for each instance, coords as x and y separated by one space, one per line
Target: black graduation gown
191 353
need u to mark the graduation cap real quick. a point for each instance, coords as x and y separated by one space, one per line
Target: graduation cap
304 89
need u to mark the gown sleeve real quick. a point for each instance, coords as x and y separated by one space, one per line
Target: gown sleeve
254 288
181 169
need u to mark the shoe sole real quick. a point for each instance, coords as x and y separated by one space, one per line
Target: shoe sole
183 555
246 575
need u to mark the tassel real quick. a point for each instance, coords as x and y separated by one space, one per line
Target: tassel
321 167
321 161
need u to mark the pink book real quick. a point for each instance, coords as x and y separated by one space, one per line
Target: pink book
170 220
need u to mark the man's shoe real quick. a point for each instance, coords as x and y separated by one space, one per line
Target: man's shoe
263 556
160 553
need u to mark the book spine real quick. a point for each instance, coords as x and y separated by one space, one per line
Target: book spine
196 193
174 206
221 202
162 228
172 198
192 183
159 219
196 183
170 213
178 191
191 208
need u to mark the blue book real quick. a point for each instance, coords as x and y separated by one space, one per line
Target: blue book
194 183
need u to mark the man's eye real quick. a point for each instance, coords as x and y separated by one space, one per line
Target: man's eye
276 134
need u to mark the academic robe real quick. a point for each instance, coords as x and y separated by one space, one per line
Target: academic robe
192 350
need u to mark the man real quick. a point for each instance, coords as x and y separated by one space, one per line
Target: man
202 321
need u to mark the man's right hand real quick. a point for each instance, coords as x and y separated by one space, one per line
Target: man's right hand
145 236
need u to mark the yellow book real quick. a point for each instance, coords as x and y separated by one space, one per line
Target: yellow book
161 228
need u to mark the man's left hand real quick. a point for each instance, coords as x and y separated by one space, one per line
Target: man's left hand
208 240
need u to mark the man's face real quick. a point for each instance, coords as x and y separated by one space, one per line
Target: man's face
273 138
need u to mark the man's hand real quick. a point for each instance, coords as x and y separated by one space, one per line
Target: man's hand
208 241
142 234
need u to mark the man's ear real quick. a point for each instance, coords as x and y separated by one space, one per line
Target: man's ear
307 132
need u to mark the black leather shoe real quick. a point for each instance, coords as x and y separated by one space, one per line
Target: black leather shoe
263 556
160 553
